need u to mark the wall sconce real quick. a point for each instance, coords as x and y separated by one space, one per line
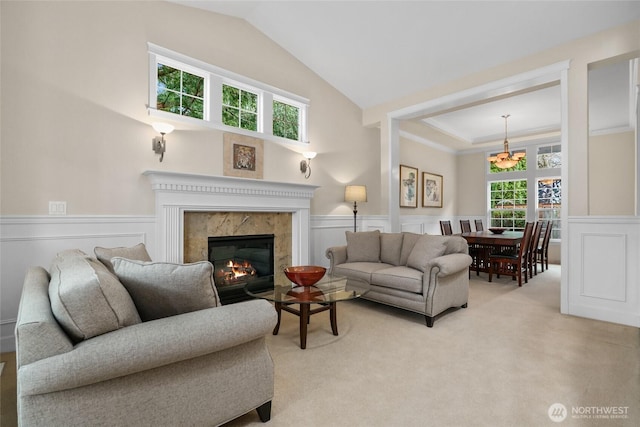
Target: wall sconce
305 165
355 194
159 144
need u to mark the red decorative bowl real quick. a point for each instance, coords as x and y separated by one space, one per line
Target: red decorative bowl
305 275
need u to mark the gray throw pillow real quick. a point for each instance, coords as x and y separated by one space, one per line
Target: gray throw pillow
363 246
408 242
161 289
86 299
390 248
137 252
425 250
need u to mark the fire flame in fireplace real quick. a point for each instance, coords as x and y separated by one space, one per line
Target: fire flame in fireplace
235 272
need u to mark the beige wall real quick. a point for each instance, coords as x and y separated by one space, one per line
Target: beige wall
75 126
428 159
612 174
471 192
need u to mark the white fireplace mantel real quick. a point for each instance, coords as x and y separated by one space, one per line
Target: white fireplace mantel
177 193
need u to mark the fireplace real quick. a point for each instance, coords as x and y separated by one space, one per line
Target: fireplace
241 260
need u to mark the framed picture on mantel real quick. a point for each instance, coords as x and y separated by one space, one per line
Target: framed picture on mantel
408 187
431 190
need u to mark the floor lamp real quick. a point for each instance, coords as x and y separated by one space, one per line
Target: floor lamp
355 194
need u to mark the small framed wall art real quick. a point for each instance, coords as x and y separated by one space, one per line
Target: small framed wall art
431 190
408 187
243 156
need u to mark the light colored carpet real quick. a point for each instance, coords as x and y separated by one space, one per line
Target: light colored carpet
501 362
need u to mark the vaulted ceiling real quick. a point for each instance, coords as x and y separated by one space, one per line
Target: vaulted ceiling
377 51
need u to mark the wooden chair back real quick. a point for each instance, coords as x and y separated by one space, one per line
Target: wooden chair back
542 252
514 265
445 228
479 226
532 254
465 225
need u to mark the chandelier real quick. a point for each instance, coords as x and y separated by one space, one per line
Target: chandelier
505 159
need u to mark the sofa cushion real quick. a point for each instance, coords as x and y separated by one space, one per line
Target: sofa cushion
390 248
456 245
408 242
137 252
363 246
161 289
399 277
359 270
86 298
425 250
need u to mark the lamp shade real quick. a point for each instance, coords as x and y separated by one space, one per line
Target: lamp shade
163 128
309 155
355 193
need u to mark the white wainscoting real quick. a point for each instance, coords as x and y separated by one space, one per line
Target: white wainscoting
604 269
34 240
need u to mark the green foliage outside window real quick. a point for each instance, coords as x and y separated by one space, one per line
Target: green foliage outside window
508 204
286 119
180 92
239 108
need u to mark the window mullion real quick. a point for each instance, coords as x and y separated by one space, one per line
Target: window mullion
265 118
215 99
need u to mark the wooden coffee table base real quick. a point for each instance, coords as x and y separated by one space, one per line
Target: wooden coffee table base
305 313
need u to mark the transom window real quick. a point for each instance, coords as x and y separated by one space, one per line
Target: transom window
179 92
194 90
239 108
286 120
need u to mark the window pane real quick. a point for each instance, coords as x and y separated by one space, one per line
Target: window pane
230 96
285 120
248 121
230 116
192 85
549 156
192 107
168 78
169 101
249 101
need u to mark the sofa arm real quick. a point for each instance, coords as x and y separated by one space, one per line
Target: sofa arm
451 263
149 345
337 255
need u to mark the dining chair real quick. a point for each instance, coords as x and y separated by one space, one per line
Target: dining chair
512 265
479 226
465 225
532 251
445 228
542 251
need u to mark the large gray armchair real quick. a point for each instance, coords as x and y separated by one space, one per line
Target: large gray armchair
202 367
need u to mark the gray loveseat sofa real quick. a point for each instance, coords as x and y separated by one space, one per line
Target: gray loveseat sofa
88 354
425 274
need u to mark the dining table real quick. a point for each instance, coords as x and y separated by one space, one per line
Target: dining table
484 243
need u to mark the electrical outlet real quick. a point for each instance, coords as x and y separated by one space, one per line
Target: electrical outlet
57 208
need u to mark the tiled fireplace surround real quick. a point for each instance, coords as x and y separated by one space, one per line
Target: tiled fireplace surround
189 207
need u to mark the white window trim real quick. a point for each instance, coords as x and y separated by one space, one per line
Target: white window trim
214 77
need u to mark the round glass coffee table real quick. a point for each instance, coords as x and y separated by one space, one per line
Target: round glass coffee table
326 293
